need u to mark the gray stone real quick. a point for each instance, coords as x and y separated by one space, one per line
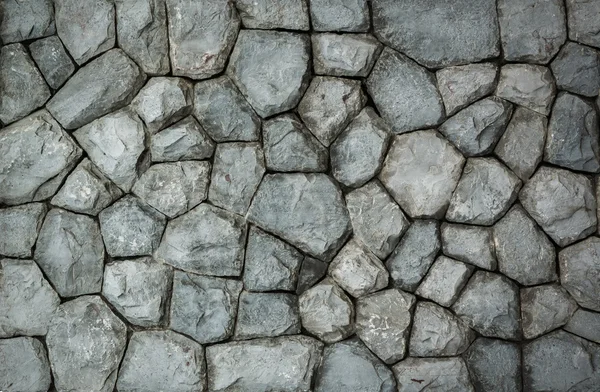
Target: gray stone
237 171
162 360
290 147
25 365
531 86
490 305
582 17
421 171
562 203
311 271
205 240
462 85
53 61
524 252
19 75
271 68
531 30
338 15
404 92
430 374
344 55
329 105
579 266
274 14
383 323
20 226
471 244
307 210
573 135
86 190
174 188
27 301
444 281
270 263
203 307
585 324
69 250
85 344
24 20
201 35
436 332
138 289
544 308
131 228
414 254
521 147
494 365
476 129
358 153
266 315
183 140
142 33
327 312
350 366
577 69
115 143
92 91
560 362
484 193
284 364
439 35
163 101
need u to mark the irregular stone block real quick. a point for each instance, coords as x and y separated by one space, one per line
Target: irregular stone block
577 69
25 20
494 365
336 15
444 281
583 22
344 55
20 226
274 14
420 374
25 365
585 324
471 244
266 315
181 141
53 61
544 308
578 265
531 86
311 271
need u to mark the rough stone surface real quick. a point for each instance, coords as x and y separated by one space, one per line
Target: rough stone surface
494 365
585 324
422 374
274 14
531 86
181 141
344 55
52 60
20 226
311 271
24 20
471 244
577 69
582 17
25 365
544 308
462 85
444 281
579 267
336 15
266 315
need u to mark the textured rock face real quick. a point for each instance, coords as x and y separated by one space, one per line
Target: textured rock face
545 308
531 86
53 61
583 25
274 14
494 364
311 271
24 20
576 69
20 226
266 315
462 85
344 55
181 141
585 324
25 365
471 244
335 15
435 373
444 281
579 265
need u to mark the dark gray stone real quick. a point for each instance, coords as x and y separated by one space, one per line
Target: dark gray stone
20 226
494 365
585 324
531 86
577 69
266 315
579 265
274 14
183 140
24 20
338 15
462 85
444 281
544 308
471 244
582 17
344 55
53 61
25 365
429 374
311 271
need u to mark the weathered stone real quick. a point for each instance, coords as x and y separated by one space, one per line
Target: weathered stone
203 307
327 312
562 203
306 210
174 188
142 33
358 153
131 228
429 374
439 35
27 301
544 308
201 35
20 226
285 364
344 55
421 171
25 20
25 365
350 366
471 244
52 60
237 171
266 315
484 193
531 86
311 271
92 91
138 289
23 87
490 305
521 147
444 281
206 240
582 17
274 14
69 250
183 140
162 360
531 30
577 69
329 105
414 254
524 252
270 263
271 68
404 92
579 267
383 320
290 147
494 365
86 190
585 324
476 129
336 15
462 85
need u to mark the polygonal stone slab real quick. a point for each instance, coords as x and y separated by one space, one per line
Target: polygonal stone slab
444 281
420 374
579 267
274 14
336 15
582 17
20 226
311 271
53 61
585 324
24 20
266 315
494 365
577 69
531 86
25 365
544 308
471 244
344 55
183 140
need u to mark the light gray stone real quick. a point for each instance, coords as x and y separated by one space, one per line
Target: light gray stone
471 244
274 14
311 271
344 55
266 315
429 374
24 20
531 86
404 92
52 60
585 324
337 15
582 18
181 141
462 85
494 365
544 308
20 226
579 266
577 69
444 281
25 365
